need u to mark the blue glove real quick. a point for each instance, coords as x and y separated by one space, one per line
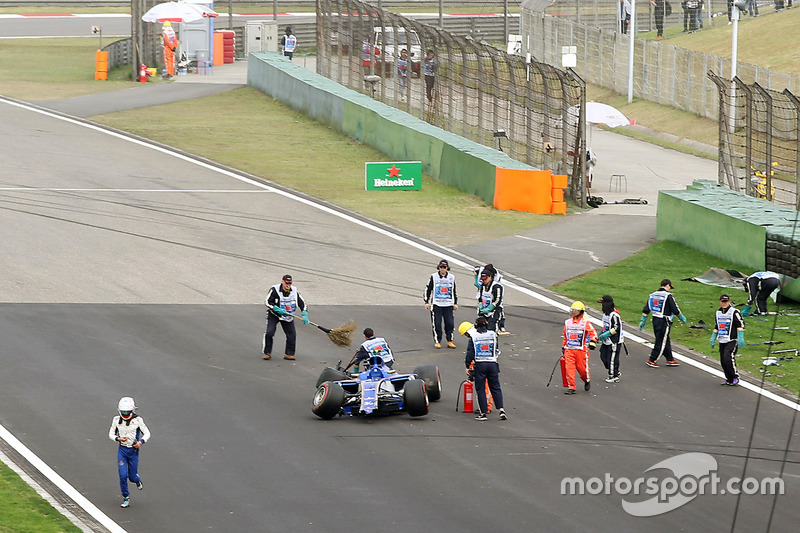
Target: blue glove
486 309
305 316
746 310
682 319
279 310
603 336
740 339
642 322
713 340
477 282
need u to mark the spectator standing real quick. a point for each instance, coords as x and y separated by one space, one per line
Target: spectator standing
624 15
659 7
591 162
759 286
663 306
752 8
490 297
729 331
402 73
578 337
430 74
482 350
373 345
130 431
289 43
282 302
611 338
685 16
441 299
693 7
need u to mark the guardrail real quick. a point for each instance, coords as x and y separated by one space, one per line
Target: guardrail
119 53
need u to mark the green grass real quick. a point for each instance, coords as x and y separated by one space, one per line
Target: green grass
22 510
51 69
642 274
320 162
753 47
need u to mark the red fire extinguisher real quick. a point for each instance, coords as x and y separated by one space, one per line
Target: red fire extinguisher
469 394
142 73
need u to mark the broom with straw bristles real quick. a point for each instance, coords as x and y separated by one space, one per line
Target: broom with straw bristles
339 336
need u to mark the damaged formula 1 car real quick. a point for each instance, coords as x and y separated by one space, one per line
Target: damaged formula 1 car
378 390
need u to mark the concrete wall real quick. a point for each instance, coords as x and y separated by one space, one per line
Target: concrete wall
469 166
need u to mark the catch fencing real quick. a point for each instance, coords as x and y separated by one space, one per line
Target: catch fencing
478 91
759 149
605 14
662 73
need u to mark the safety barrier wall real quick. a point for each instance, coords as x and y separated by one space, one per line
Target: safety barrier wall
733 226
453 160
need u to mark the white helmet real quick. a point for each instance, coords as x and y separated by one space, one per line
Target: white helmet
126 407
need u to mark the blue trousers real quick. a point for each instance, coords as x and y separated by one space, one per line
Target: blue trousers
128 463
488 372
288 329
439 315
609 355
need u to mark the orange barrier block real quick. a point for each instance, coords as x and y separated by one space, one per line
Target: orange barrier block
557 195
559 181
559 208
101 65
523 190
219 48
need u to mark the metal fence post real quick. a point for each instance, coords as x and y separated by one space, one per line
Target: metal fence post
796 103
748 131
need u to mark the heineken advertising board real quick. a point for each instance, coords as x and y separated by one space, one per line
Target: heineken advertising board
397 176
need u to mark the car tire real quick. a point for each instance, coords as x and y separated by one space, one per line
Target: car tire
433 382
331 374
414 397
328 400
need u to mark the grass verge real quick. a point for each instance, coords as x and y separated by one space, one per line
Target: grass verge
631 280
51 69
23 510
316 160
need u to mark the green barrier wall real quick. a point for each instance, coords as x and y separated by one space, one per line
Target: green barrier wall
713 220
735 227
451 159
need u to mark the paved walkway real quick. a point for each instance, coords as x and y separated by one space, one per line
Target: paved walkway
567 247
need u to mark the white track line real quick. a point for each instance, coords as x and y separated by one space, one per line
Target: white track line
59 481
68 189
17 445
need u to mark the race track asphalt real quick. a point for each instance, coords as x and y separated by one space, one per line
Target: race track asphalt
121 280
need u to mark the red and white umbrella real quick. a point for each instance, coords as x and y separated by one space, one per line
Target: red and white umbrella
177 12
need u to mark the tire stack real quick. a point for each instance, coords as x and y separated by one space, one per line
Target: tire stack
228 45
783 255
